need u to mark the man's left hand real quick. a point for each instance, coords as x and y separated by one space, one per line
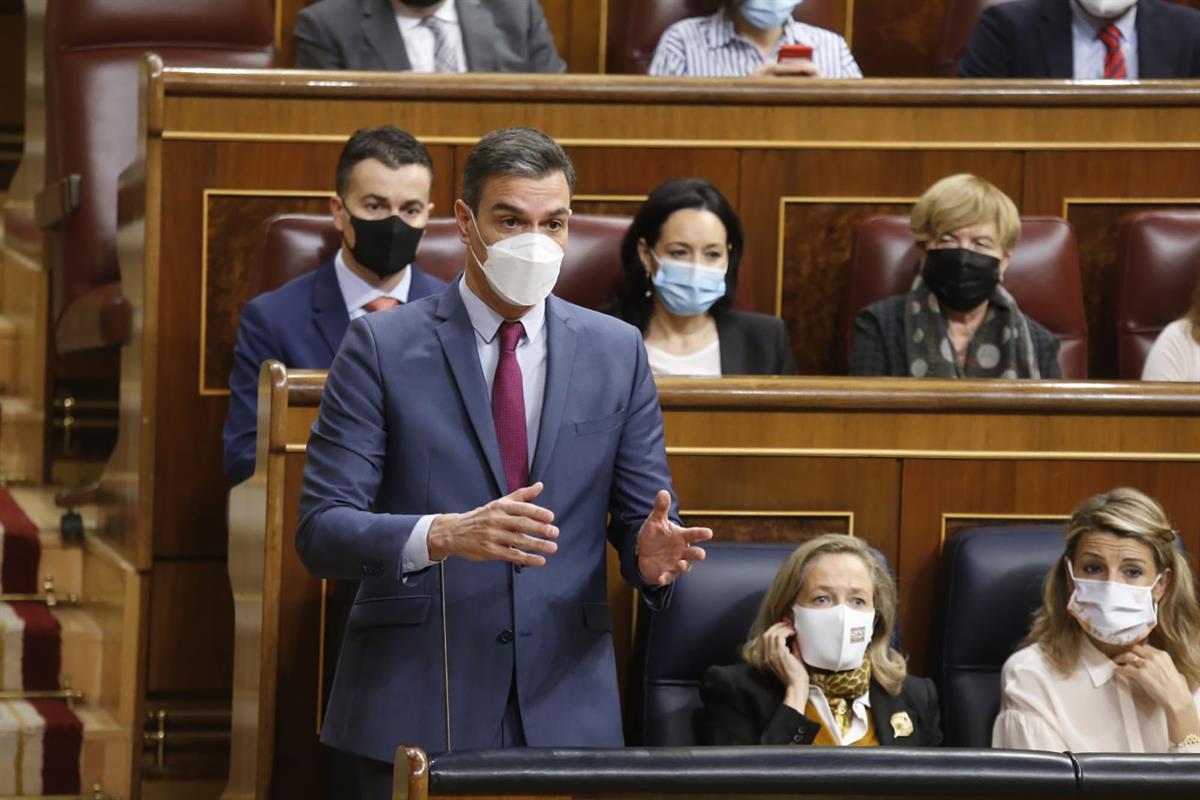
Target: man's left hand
666 550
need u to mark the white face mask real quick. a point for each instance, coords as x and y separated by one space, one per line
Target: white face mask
521 269
1107 9
834 638
1112 612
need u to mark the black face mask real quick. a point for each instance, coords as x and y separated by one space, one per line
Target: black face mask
384 246
960 279
420 3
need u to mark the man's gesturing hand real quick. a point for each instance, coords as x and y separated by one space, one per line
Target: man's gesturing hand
503 530
665 550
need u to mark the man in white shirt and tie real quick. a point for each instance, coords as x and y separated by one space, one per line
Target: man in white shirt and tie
426 36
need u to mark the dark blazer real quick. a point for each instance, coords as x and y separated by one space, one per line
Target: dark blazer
498 36
406 429
744 706
1032 39
754 344
879 342
301 324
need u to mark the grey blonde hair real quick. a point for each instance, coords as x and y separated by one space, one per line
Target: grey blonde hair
1129 514
888 667
961 200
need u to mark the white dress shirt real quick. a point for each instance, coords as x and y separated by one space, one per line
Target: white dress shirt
1092 710
1089 51
418 39
356 292
704 363
860 707
1175 355
531 356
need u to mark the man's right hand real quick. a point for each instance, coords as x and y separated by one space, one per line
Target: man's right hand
507 529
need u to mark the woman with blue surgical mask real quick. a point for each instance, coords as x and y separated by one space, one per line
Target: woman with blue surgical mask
680 262
752 38
1113 661
818 667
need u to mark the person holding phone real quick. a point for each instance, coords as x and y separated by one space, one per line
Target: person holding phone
752 38
818 667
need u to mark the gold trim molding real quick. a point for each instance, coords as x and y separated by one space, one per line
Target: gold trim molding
956 455
771 514
984 518
1126 201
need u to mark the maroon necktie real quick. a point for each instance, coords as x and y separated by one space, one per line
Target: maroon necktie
381 303
508 408
1114 59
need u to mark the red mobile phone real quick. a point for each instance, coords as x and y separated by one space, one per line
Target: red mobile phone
795 52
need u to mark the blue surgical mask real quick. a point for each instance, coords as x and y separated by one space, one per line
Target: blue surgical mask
688 289
764 14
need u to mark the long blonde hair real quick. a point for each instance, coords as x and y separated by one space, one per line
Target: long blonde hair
887 666
1129 514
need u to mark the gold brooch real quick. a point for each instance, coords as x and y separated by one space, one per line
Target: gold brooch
901 724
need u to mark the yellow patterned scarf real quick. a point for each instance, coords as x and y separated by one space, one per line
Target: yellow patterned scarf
846 685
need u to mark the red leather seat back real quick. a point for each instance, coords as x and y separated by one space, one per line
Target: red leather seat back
591 272
1042 275
957 25
1158 260
635 26
92 54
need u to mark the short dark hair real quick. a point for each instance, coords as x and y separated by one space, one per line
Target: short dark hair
674 195
525 152
387 144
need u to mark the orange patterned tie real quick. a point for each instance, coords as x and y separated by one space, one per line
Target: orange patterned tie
1114 59
382 303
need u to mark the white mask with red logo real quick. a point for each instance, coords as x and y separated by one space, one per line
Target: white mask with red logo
833 638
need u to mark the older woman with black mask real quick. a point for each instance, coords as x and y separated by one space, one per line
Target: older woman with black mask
957 321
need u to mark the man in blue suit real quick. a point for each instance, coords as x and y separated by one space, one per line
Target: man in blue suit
492 431
384 177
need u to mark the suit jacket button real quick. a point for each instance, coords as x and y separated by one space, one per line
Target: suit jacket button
519 567
798 739
505 636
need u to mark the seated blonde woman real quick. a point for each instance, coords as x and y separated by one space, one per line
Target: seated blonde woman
958 320
1113 661
818 666
1176 352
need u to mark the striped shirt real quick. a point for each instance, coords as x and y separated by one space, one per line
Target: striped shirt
709 47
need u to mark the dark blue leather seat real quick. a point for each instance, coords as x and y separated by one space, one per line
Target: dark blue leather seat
706 623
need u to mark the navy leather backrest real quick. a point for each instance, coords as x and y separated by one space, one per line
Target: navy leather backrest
706 623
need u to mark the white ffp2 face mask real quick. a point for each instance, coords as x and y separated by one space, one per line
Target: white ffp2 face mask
1112 612
833 638
521 269
1107 9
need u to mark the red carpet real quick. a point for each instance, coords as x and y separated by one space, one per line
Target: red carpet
40 740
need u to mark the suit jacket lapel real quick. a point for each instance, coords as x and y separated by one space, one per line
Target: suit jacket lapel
1054 34
475 21
560 360
458 343
1156 51
882 707
329 308
379 26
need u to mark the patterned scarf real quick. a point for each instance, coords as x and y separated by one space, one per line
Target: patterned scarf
847 685
1001 348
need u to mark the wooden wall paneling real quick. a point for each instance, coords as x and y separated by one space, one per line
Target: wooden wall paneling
894 40
800 209
12 88
933 488
285 23
1093 190
579 32
191 628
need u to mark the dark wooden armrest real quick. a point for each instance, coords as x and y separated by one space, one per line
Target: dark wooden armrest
86 495
55 203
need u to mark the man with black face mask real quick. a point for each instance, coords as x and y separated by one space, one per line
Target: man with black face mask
957 320
384 177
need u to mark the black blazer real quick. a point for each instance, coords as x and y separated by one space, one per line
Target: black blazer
879 342
1032 39
745 706
498 36
754 344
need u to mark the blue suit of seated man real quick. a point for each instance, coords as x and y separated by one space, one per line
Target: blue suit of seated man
382 203
448 433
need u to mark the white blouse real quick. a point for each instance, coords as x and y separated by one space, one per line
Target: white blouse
1175 355
1092 710
704 363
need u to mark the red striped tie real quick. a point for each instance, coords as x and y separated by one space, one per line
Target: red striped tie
381 303
1114 59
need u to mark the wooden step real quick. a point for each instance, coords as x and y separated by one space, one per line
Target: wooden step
21 444
82 651
62 562
107 751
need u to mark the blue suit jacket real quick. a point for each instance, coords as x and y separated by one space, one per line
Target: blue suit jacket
1032 39
405 429
301 324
